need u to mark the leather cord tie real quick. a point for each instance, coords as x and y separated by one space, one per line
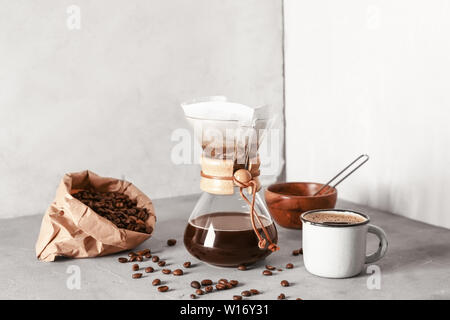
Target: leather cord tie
243 179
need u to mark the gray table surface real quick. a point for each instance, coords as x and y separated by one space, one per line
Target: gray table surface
416 266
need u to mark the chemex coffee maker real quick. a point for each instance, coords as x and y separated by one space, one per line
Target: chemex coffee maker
230 224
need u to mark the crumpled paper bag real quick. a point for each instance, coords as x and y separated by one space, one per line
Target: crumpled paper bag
71 229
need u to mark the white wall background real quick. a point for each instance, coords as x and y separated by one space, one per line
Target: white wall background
372 77
106 97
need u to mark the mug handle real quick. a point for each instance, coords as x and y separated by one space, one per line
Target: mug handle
382 248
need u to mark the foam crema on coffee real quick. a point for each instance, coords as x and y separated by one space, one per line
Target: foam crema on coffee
334 217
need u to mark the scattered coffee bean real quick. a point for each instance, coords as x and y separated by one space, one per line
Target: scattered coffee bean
234 283
242 267
187 264
149 269
295 252
223 281
254 291
166 271
289 266
229 285
163 288
284 283
139 258
177 272
193 296
246 293
206 282
279 269
136 275
299 299
237 297
131 254
143 252
122 260
135 267
171 242
281 296
132 258
156 282
195 284
268 267
209 289
148 255
220 286
117 208
161 263
267 273
155 258
199 292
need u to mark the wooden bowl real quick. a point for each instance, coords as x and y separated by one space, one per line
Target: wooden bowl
287 201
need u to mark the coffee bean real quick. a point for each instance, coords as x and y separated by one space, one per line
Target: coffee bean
156 282
132 258
242 267
132 254
246 293
143 252
122 260
295 252
220 286
135 267
279 269
195 284
223 281
209 289
149 269
187 264
155 258
268 267
199 292
161 263
237 297
139 258
284 283
267 273
206 282
136 275
177 272
148 255
166 271
229 285
171 242
234 283
299 299
281 296
193 296
300 250
163 288
254 291
289 266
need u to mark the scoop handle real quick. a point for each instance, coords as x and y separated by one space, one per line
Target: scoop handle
363 156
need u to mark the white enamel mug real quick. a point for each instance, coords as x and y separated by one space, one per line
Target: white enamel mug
339 250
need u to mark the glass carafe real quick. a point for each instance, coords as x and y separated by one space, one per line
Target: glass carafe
220 232
223 229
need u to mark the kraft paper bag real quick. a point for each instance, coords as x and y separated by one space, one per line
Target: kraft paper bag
72 229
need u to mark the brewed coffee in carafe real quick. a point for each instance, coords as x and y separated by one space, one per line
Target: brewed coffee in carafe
230 224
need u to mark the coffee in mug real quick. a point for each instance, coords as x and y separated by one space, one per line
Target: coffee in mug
334 242
331 217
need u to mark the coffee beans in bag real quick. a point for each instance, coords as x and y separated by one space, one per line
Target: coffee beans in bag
94 216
